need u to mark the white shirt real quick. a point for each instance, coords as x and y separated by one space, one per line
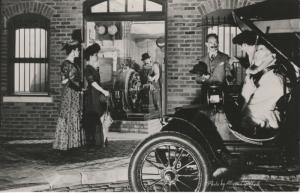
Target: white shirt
262 100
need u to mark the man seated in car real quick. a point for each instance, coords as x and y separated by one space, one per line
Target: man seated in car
262 88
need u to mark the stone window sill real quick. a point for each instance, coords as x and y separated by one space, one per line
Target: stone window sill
27 99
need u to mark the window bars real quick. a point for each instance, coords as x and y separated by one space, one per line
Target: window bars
223 25
29 56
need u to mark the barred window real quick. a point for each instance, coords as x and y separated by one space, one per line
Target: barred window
225 34
29 54
221 23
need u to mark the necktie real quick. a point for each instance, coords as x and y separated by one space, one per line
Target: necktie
212 57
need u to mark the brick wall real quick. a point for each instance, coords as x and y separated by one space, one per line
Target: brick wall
184 48
37 120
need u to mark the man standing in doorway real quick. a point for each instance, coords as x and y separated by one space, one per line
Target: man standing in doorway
150 76
217 62
213 68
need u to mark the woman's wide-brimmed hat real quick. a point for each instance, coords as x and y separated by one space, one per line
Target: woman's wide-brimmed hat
248 37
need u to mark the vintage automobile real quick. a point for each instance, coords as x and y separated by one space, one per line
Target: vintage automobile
188 149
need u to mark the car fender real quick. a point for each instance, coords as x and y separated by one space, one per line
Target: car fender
200 128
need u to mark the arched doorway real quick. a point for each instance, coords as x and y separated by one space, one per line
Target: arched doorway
125 29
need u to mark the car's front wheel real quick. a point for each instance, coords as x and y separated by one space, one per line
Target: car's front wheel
169 161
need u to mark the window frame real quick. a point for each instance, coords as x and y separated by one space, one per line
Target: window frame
27 20
123 16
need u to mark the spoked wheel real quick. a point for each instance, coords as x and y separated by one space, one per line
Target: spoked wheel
169 161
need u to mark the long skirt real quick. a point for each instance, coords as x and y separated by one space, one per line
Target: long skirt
93 129
69 133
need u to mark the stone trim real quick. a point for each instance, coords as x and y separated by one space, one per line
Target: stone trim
27 99
27 7
209 6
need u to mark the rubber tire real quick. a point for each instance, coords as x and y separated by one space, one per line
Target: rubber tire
168 136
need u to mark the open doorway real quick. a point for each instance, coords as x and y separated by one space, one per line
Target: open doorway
125 30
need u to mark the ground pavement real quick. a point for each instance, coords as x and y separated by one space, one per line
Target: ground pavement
32 165
35 166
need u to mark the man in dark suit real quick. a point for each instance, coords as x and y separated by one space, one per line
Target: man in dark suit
218 66
213 68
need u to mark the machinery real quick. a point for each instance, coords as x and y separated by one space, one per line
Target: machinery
130 97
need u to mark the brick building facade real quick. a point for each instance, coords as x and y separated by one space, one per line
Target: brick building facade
35 117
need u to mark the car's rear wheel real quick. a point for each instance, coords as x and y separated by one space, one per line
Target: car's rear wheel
169 161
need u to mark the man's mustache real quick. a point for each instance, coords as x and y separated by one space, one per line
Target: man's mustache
253 67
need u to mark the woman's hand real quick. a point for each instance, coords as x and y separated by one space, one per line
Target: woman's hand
150 78
152 87
65 81
106 93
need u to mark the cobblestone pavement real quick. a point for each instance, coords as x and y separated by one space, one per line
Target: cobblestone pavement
45 155
230 186
23 165
37 167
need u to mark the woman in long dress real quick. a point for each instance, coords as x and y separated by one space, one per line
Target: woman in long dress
94 99
68 130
